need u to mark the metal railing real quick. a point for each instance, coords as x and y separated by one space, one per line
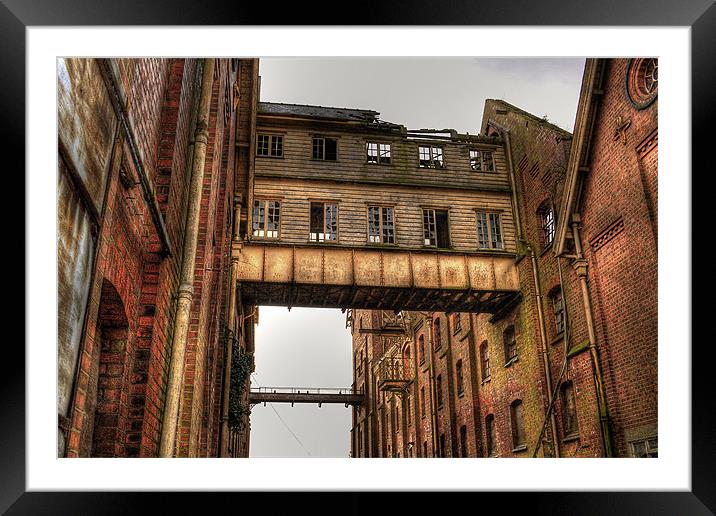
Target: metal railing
305 390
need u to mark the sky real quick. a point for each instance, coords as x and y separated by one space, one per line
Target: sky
312 347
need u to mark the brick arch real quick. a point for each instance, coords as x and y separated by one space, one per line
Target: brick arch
111 405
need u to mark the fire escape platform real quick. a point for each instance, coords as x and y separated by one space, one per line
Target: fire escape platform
344 277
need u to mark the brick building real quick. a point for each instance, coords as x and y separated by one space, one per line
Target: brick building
501 287
152 166
568 368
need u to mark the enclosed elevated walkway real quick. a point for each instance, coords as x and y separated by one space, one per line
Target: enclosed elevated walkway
397 279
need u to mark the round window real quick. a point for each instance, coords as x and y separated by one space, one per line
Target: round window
642 81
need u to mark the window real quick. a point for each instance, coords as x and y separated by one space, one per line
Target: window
463 441
431 157
378 153
324 222
558 307
266 218
489 231
490 437
325 149
425 448
439 389
269 145
546 217
458 373
569 409
442 445
518 427
510 344
485 361
408 411
406 363
397 419
481 161
456 323
422 402
437 335
646 448
435 228
381 225
642 81
421 349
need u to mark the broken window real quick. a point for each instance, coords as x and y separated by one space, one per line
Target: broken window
324 222
378 153
518 427
458 374
381 225
569 409
435 228
269 145
489 231
510 344
266 218
431 157
558 306
490 437
546 216
422 402
325 148
485 361
439 389
645 448
481 161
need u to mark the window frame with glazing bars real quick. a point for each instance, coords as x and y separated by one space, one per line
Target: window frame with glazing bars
548 224
384 228
311 232
495 233
322 153
268 211
479 162
432 233
270 148
432 161
380 157
558 310
510 344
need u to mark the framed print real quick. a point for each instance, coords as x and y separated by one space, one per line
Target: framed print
499 284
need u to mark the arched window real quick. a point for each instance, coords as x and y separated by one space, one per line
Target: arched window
421 349
407 369
518 427
642 81
458 375
510 344
437 335
490 435
485 361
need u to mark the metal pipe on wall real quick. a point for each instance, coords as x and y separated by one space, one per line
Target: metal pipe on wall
186 279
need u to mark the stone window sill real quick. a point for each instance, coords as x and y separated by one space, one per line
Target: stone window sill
571 437
486 380
520 448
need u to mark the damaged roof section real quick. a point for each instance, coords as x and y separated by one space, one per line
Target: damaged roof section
322 112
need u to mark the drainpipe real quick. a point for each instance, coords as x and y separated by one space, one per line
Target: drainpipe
580 266
433 387
186 291
543 341
224 440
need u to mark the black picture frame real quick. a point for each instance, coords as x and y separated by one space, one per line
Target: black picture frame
700 15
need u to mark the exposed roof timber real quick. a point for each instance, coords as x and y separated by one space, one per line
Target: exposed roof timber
579 155
526 114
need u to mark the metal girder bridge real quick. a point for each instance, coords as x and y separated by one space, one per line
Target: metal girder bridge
347 396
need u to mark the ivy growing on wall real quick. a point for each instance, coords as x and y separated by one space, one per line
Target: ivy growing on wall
242 365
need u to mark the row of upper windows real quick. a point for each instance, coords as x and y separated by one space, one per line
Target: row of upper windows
326 149
381 225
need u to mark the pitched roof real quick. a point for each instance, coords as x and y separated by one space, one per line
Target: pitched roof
331 113
527 114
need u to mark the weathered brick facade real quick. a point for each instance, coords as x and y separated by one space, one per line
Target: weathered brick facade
609 317
119 389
